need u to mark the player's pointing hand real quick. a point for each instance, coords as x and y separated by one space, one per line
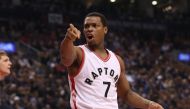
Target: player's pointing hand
73 33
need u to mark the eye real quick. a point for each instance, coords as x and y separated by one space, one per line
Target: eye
94 25
86 26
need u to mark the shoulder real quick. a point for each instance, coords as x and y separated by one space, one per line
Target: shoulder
121 62
120 59
80 48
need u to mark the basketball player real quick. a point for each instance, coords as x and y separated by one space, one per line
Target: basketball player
97 75
5 65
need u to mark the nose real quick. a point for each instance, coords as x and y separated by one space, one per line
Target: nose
10 63
90 28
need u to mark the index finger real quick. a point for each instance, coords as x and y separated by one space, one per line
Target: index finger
76 31
72 26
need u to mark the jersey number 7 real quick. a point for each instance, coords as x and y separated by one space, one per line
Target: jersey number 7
107 89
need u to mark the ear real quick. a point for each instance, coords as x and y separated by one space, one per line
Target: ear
105 30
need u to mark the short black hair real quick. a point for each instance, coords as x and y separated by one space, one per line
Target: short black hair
102 17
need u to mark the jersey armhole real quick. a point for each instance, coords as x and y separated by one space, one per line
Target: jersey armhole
117 57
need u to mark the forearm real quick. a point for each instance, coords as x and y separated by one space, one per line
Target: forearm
67 51
136 100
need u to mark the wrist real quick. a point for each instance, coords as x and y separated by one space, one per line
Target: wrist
147 103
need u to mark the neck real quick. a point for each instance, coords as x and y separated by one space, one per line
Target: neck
96 47
99 51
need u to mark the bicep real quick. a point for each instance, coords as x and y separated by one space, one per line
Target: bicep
70 56
123 84
77 57
73 68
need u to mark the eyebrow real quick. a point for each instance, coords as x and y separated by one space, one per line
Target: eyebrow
92 24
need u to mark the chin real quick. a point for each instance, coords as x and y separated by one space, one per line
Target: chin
8 72
3 75
91 43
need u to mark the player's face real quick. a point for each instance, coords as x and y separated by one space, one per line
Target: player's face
94 30
5 65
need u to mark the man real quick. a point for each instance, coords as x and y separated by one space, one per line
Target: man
97 75
5 65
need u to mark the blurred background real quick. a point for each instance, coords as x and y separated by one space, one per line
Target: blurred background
152 36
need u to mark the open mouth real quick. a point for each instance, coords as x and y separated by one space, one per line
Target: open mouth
90 37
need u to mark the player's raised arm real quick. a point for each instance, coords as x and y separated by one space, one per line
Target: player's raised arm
67 49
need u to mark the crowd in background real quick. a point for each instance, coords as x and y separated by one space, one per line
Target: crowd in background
39 81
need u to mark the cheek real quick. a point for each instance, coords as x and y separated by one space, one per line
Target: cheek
100 33
2 70
2 67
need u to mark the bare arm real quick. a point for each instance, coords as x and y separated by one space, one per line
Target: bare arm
131 97
68 51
